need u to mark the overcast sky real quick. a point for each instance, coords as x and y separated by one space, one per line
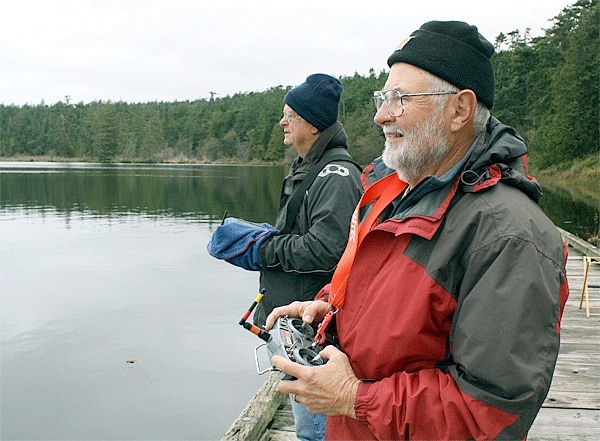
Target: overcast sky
144 50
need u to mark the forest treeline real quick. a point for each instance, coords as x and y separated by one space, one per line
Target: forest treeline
546 87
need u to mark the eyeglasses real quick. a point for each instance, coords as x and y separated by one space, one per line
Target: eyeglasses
289 116
394 100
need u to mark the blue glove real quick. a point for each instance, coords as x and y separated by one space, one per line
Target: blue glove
237 241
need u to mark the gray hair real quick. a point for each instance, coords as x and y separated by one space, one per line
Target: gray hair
481 114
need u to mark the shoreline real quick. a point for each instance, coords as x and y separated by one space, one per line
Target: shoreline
584 171
176 160
579 188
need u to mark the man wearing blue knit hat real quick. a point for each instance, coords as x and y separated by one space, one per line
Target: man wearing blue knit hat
298 255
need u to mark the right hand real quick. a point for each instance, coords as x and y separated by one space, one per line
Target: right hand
309 312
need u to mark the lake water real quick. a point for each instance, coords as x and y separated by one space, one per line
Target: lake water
115 323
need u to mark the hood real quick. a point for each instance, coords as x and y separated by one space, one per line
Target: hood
499 155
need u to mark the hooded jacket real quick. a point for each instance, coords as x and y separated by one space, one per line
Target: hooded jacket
297 265
453 304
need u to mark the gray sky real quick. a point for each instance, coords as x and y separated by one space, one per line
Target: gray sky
145 50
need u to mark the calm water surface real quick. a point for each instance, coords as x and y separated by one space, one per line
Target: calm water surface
115 322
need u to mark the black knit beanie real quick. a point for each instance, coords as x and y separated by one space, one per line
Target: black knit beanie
454 51
317 100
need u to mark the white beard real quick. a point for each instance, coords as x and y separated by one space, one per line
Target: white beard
419 149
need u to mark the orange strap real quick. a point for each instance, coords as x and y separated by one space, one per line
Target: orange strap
383 192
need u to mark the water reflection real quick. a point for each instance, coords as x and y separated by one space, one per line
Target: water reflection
195 192
573 208
107 264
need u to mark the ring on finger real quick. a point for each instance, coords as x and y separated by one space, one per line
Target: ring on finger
294 398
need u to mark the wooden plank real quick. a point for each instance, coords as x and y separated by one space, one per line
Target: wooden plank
280 435
257 414
572 350
284 420
572 408
577 366
565 424
573 399
579 244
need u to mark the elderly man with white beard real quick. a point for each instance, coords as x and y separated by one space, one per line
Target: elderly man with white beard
447 300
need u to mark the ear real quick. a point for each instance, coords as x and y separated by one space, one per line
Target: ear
314 130
465 103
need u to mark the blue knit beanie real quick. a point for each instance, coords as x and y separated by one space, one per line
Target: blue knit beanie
317 100
454 51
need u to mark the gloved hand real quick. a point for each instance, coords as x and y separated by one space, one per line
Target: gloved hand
237 241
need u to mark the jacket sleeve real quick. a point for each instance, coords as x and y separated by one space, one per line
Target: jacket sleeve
328 207
504 344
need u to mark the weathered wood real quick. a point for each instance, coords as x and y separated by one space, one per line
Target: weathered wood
565 424
282 428
257 414
580 245
279 435
572 407
284 417
574 399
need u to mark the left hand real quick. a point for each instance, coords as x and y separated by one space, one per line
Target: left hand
238 242
329 389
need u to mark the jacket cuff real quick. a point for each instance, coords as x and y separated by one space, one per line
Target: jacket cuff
361 403
262 255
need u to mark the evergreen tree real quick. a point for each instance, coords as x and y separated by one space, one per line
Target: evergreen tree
568 127
546 87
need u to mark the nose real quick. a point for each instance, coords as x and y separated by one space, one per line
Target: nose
283 121
382 116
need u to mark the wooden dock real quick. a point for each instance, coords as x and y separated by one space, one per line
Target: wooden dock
571 410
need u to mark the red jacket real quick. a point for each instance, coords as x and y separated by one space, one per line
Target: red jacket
453 306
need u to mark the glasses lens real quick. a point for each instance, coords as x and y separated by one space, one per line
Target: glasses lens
378 99
393 101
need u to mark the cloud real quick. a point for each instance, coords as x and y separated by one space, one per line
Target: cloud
141 50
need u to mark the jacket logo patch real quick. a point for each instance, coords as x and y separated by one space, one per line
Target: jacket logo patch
334 168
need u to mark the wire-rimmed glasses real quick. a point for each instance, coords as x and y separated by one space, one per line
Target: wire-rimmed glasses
289 116
394 100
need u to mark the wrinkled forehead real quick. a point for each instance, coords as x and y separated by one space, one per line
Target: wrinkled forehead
406 78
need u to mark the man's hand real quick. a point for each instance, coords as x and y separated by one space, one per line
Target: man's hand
238 242
329 389
308 311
